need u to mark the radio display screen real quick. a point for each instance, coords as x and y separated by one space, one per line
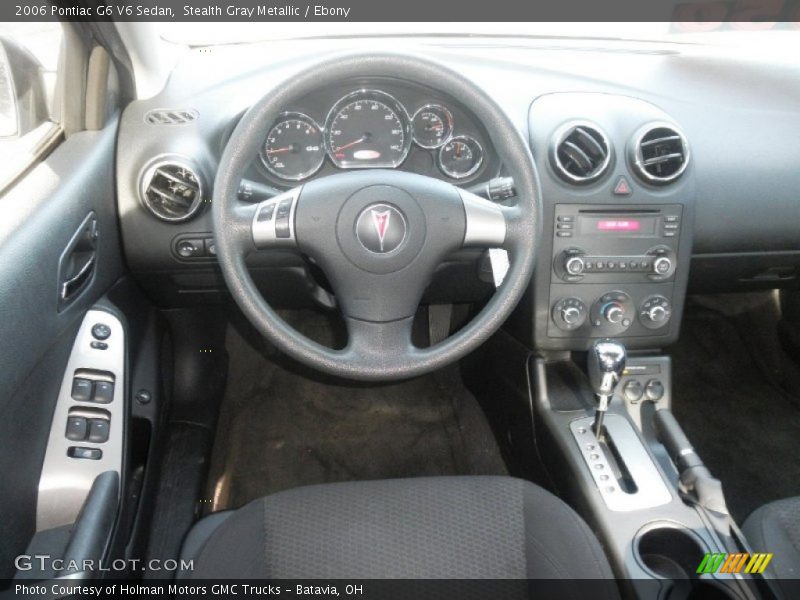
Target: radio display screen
619 225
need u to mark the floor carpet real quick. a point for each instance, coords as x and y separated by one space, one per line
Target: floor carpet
283 426
737 396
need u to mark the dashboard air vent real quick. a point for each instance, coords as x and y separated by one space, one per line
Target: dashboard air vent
581 153
171 190
661 154
165 116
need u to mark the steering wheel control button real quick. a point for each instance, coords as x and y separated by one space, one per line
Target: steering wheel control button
381 228
282 229
654 390
266 212
103 392
98 431
569 314
77 428
81 389
101 331
84 453
633 391
272 223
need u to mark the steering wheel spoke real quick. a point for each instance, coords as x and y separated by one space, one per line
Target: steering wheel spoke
273 222
488 224
378 343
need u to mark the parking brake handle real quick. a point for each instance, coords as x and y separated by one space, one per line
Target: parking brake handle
694 477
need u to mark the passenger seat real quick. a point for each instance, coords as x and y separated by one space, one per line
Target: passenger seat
775 528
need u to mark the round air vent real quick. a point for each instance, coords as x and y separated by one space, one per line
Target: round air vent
660 154
172 189
581 153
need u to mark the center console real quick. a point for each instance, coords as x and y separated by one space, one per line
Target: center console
617 190
618 196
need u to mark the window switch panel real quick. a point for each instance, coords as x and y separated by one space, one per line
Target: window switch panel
98 431
76 429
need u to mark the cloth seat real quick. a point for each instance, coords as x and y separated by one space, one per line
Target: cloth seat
775 528
437 527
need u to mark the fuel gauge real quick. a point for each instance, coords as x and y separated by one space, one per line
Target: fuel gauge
460 157
433 126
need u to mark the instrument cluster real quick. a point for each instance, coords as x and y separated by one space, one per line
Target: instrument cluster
370 128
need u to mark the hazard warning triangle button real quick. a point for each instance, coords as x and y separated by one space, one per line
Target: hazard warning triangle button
622 188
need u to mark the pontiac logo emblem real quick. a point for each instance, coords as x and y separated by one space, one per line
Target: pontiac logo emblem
381 220
381 228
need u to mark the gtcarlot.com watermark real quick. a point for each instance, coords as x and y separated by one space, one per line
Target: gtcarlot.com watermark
48 564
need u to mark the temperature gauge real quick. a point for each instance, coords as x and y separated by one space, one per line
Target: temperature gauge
460 157
433 126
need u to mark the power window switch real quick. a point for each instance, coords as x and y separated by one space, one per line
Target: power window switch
84 453
76 429
81 389
98 431
103 392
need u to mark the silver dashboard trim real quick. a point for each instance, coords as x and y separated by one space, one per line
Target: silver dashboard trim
651 489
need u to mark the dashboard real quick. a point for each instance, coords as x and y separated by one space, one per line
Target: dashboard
737 145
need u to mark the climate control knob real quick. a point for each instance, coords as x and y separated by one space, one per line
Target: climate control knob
655 312
613 312
569 314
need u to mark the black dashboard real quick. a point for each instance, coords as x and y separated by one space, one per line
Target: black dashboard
722 135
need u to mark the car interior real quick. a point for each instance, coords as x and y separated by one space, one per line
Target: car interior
402 306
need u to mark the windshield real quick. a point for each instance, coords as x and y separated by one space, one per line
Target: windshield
206 34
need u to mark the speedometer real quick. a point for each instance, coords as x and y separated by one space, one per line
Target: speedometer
368 128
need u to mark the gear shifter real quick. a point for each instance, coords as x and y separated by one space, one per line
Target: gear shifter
606 361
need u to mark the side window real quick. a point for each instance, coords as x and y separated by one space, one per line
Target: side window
29 119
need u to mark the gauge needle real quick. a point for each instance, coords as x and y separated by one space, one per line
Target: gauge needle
353 143
279 150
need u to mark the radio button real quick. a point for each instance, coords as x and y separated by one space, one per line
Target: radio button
662 265
575 265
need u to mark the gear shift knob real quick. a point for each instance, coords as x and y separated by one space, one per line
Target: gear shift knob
606 363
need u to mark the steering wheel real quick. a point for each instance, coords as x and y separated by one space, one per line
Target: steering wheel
378 235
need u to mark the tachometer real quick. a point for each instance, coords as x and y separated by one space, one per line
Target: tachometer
294 148
433 126
460 157
368 128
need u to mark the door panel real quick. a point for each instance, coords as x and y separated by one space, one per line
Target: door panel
39 220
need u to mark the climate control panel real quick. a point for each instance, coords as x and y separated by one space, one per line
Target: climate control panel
611 314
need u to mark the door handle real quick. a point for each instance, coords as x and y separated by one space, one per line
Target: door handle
78 262
74 283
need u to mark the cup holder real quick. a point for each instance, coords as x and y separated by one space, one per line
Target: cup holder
673 553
